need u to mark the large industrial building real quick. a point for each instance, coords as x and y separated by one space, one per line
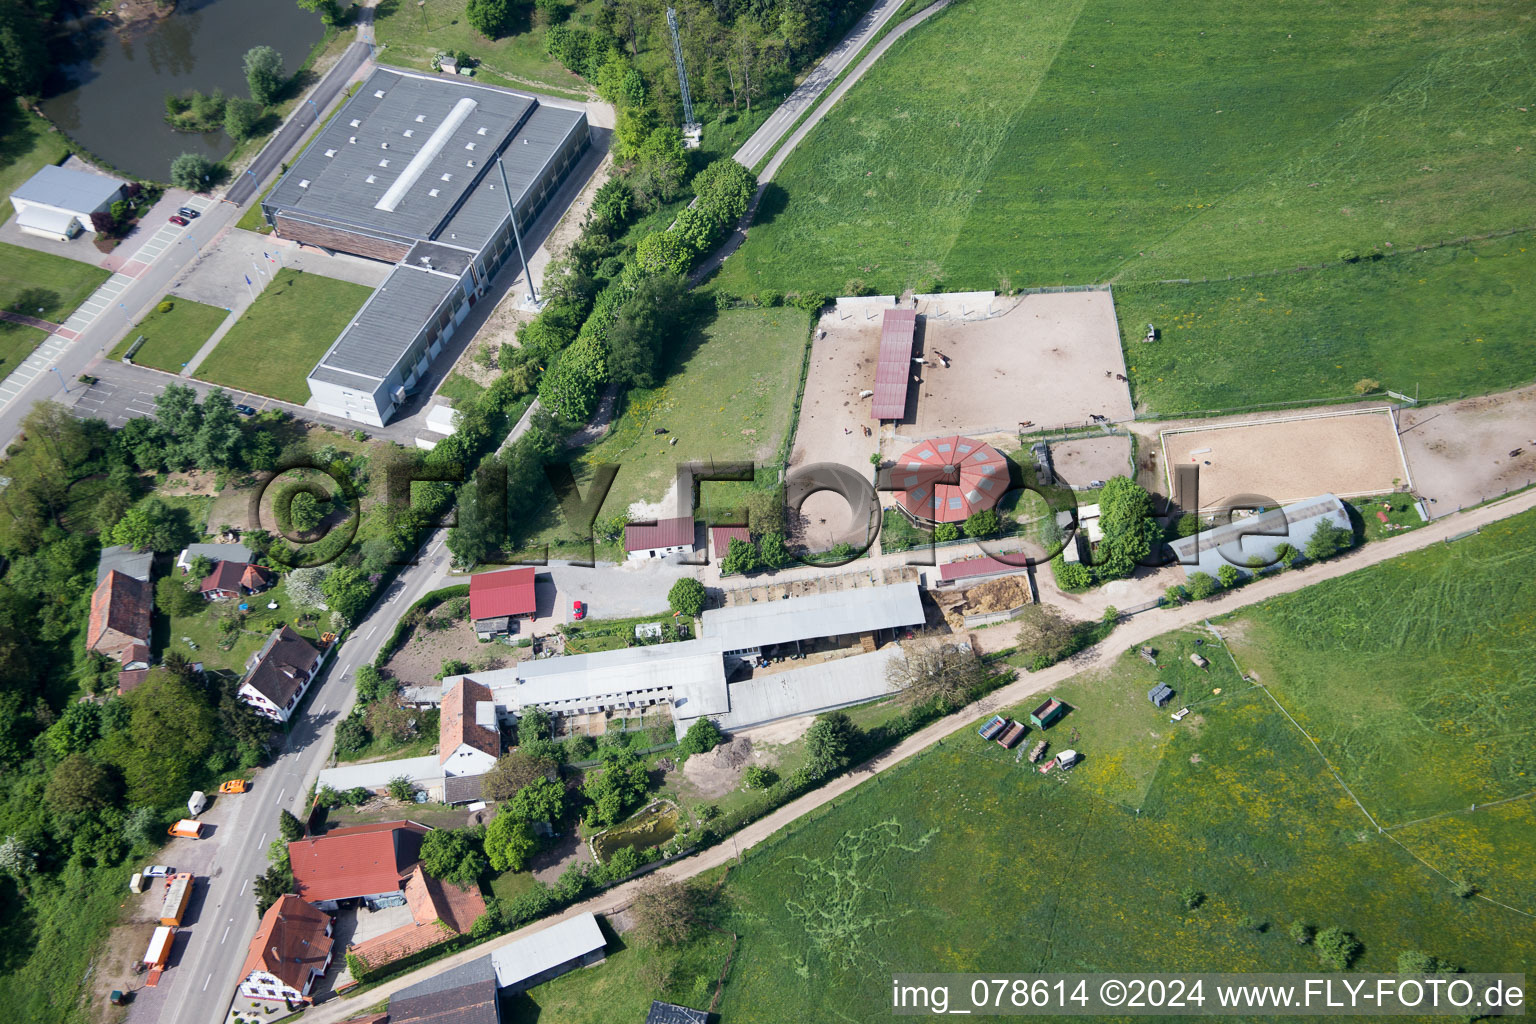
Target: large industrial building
406 172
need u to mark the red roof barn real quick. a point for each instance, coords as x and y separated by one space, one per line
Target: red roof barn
508 593
946 479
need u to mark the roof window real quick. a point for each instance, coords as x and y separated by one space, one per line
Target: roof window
379 93
356 123
330 152
303 183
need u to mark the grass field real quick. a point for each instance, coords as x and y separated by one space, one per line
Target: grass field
26 146
414 35
173 338
728 398
16 343
1434 649
1105 140
41 279
1440 322
274 345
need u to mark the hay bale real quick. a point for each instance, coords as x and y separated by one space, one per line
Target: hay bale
998 595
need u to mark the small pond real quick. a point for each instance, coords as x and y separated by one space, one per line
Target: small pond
652 828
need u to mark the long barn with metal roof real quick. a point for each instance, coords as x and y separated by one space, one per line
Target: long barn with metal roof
406 172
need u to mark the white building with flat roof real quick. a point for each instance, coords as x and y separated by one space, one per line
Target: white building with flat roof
57 202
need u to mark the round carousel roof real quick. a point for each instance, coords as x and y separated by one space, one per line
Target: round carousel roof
946 479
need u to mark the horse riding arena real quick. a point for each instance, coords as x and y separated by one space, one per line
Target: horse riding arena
1288 458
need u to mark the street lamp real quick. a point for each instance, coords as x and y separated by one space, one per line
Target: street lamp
62 382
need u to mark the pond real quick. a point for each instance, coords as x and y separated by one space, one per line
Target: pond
112 99
651 829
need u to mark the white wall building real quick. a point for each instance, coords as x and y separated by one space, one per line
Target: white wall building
57 202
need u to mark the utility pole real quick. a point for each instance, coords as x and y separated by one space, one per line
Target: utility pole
533 294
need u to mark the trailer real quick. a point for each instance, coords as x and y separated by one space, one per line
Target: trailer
178 893
994 726
1066 759
1047 713
1199 661
158 953
1011 735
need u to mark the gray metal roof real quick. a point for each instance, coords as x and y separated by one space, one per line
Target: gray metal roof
538 142
1258 535
125 560
823 686
402 161
465 995
68 189
214 553
447 259
376 339
551 947
839 613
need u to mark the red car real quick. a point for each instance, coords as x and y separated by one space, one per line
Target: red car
177 218
578 610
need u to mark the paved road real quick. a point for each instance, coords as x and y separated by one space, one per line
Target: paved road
1133 633
820 77
288 137
202 983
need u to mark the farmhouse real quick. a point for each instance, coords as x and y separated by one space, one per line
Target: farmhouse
415 170
498 599
365 862
469 738
947 479
230 580
1258 537
57 202
277 676
726 673
126 561
120 619
660 539
292 948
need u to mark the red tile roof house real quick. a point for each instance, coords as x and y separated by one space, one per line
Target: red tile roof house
720 538
291 949
235 579
497 598
119 624
661 539
277 676
439 911
364 862
469 740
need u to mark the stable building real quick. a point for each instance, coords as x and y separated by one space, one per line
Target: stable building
949 479
369 863
1254 541
498 599
661 539
57 202
407 172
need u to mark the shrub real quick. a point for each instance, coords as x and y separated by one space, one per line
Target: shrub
165 306
687 597
1191 897
192 171
1202 585
1071 576
401 788
1336 947
758 777
1300 933
702 736
946 532
983 524
769 297
1228 576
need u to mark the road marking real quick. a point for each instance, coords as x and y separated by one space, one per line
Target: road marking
264 836
206 981
226 935
242 886
370 633
279 800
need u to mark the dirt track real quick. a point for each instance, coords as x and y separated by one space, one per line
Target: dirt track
1138 630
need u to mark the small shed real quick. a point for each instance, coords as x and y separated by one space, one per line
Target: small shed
1160 694
1067 758
993 726
1199 661
1046 713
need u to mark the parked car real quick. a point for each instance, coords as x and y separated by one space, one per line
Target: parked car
187 212
158 871
233 786
178 219
578 610
245 410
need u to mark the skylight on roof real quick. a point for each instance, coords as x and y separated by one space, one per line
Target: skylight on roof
480 132
370 179
420 118
379 93
384 162
303 183
447 177
432 192
330 152
954 503
409 132
356 123
353 140
469 145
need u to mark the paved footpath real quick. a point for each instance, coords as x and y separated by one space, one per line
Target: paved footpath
1130 634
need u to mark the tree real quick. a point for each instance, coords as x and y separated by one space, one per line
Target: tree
569 387
453 855
490 18
611 204
509 842
1201 585
687 597
765 512
1336 947
665 252
615 786
1071 576
984 523
306 586
1228 576
661 165
533 725
351 734
1300 932
702 736
775 553
1417 962
1191 897
935 672
373 685
304 512
665 913
512 772
17 860
543 799
348 591
241 118
390 717
1327 540
724 190
270 886
827 744
945 532
653 317
329 10
758 777
171 728
1174 595
264 74
1125 516
289 826
402 788
191 171
151 525
740 557
174 597
80 785
1046 634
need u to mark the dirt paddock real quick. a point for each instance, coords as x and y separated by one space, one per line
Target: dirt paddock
1286 459
1081 461
1459 453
